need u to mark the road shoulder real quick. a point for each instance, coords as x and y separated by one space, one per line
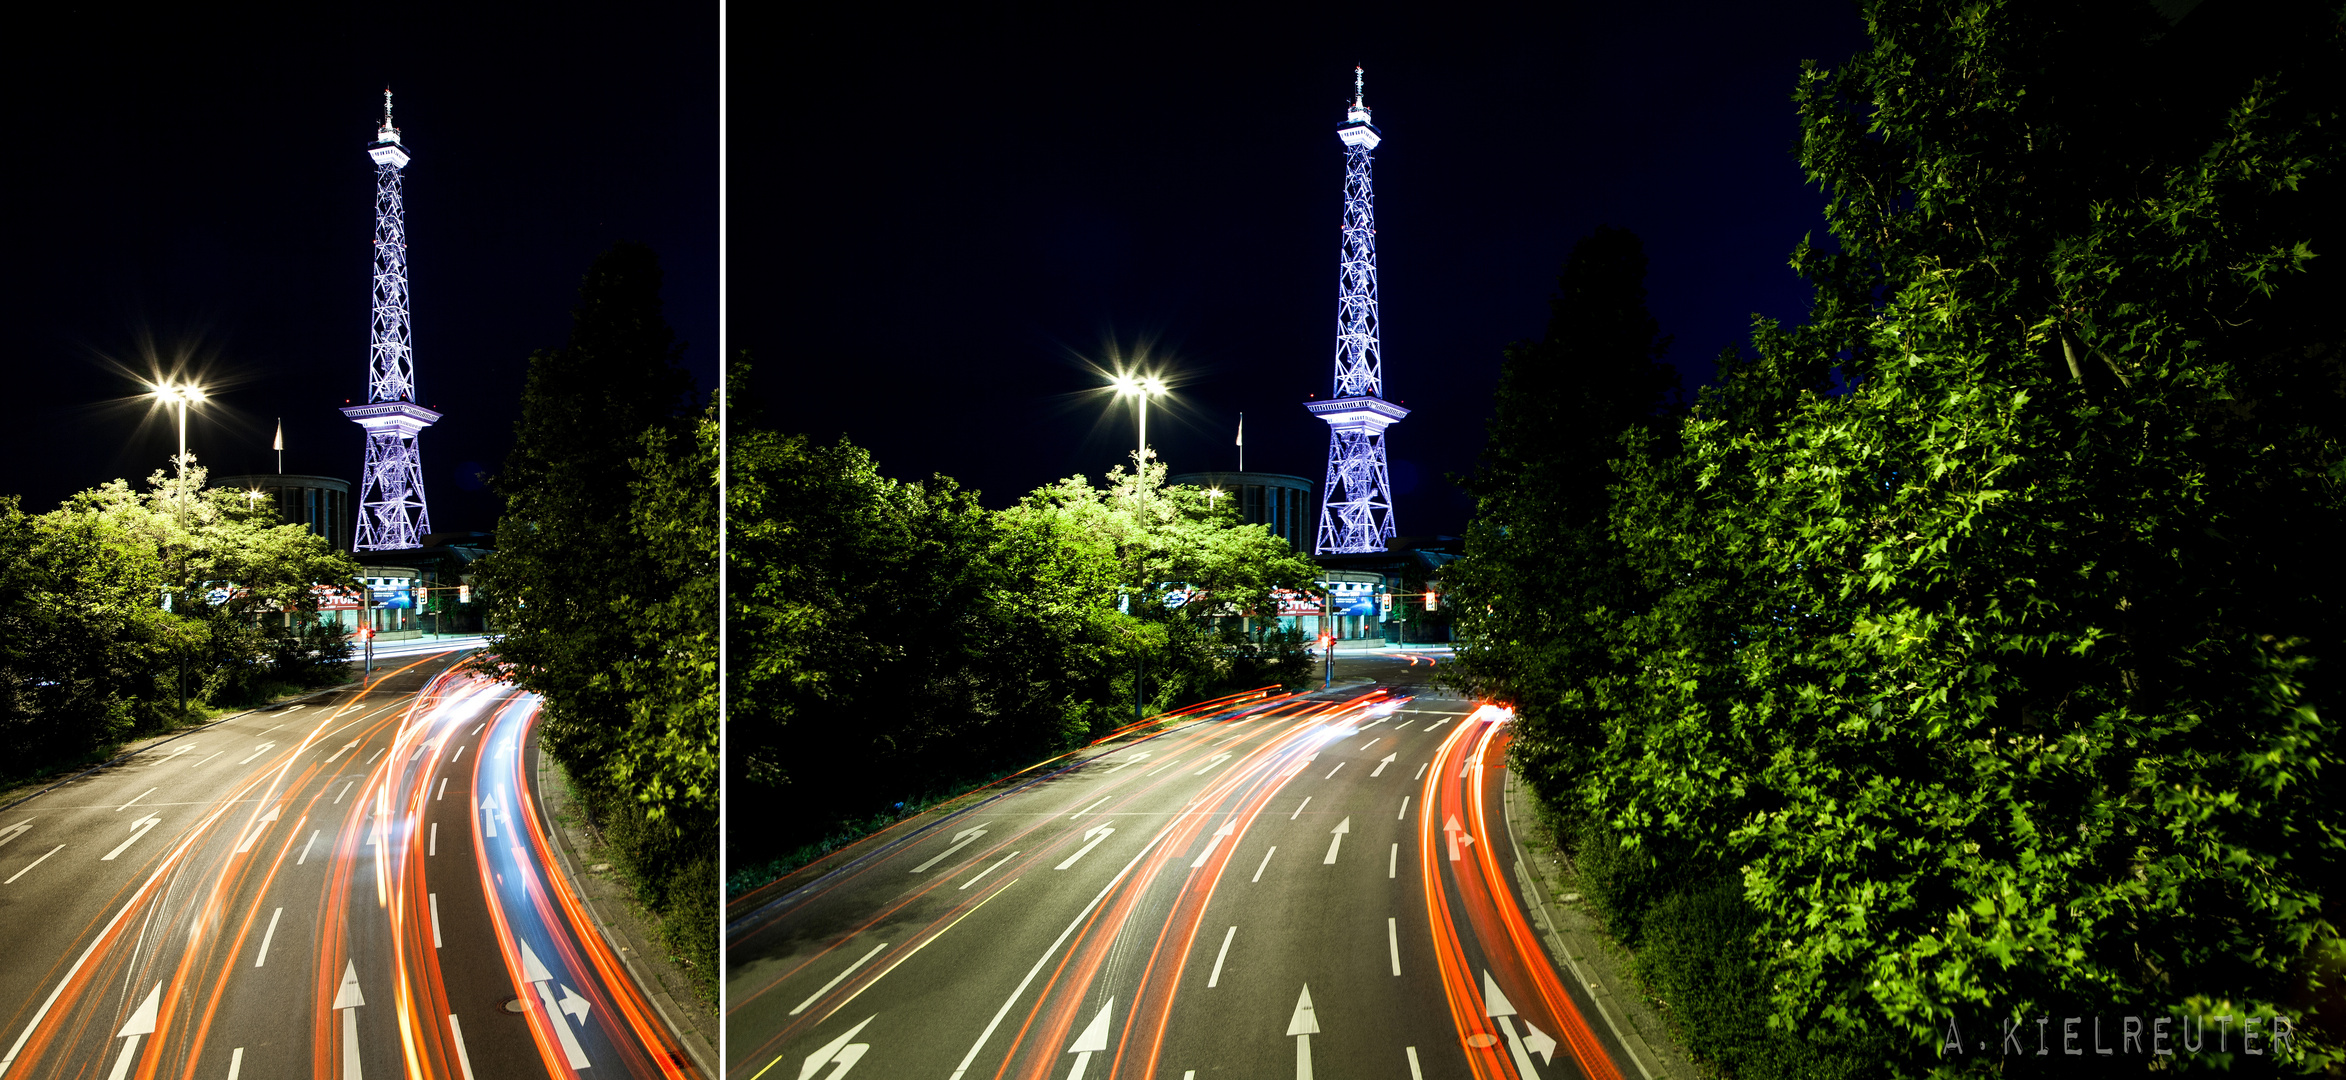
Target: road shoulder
622 922
1589 955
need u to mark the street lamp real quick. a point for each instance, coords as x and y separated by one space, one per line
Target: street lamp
181 395
1141 388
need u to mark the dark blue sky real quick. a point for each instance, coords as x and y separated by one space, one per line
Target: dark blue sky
196 180
934 218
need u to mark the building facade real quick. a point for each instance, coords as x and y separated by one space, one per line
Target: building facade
322 503
1277 501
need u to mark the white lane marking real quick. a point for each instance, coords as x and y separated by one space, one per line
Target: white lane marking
840 1052
1299 808
345 792
1393 862
1403 727
347 1001
1089 809
1404 814
1217 760
16 830
1215 841
443 792
235 1062
1303 1025
346 747
265 748
477 730
28 866
246 844
489 806
452 757
1216 978
1015 994
961 839
988 870
915 950
839 978
135 798
1135 758
1332 772
1421 772
1258 870
305 848
1336 841
435 899
261 958
434 847
1095 834
1414 1074
138 829
141 1025
463 1060
174 755
378 753
1160 769
1093 1040
1393 940
1384 761
214 754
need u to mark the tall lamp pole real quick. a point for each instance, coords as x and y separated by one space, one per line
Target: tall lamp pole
179 395
1141 388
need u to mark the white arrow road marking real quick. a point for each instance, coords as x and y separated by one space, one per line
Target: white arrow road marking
1459 839
1539 1043
346 748
265 748
1093 1040
576 1006
1216 978
1134 758
489 804
961 840
246 844
1382 762
262 957
1498 1008
1336 841
137 829
1303 1025
533 971
1228 827
839 978
837 1052
142 1023
347 1000
16 830
1217 760
1095 834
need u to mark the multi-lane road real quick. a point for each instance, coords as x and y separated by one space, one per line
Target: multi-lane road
1285 887
359 885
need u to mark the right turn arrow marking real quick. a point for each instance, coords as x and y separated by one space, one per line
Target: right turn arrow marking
534 971
1498 1008
1459 839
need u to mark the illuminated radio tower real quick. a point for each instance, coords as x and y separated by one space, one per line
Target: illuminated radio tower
1356 509
391 511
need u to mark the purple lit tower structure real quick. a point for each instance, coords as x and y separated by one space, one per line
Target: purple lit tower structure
391 511
1356 507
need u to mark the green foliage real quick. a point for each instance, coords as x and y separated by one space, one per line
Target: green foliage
2004 684
603 585
904 629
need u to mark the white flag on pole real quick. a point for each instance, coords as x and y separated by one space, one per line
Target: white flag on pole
1242 429
280 443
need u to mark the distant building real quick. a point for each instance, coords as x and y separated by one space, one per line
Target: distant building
1278 501
320 502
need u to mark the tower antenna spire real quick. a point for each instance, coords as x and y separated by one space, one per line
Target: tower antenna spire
1356 506
391 511
1358 98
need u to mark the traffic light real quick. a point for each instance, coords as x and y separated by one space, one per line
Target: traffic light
366 633
464 594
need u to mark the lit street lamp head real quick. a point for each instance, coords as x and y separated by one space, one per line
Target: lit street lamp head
180 395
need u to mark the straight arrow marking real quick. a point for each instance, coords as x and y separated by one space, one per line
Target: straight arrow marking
1096 834
1336 841
1459 840
1382 762
137 829
961 840
1228 827
246 844
142 1023
1093 1040
16 830
1303 1025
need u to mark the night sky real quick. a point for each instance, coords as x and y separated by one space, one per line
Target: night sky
194 186
939 223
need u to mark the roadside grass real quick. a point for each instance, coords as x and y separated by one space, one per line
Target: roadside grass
680 909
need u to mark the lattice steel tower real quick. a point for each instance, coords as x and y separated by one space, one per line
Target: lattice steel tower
391 511
1356 507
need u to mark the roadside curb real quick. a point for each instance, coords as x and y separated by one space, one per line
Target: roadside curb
1589 956
693 1025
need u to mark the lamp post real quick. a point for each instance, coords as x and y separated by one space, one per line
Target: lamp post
1141 388
180 395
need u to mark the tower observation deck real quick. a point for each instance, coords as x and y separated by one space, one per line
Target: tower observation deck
1356 507
391 511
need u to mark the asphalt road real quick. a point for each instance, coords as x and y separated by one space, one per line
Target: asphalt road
355 886
1317 886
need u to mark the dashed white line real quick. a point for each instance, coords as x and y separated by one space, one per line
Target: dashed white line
1393 943
235 1062
378 753
988 870
1404 726
262 957
839 978
443 790
1393 862
1258 871
1216 978
458 754
1089 809
305 848
29 866
200 764
1421 771
1404 814
1332 772
1299 809
435 900
1414 1074
464 1060
135 798
345 791
433 848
